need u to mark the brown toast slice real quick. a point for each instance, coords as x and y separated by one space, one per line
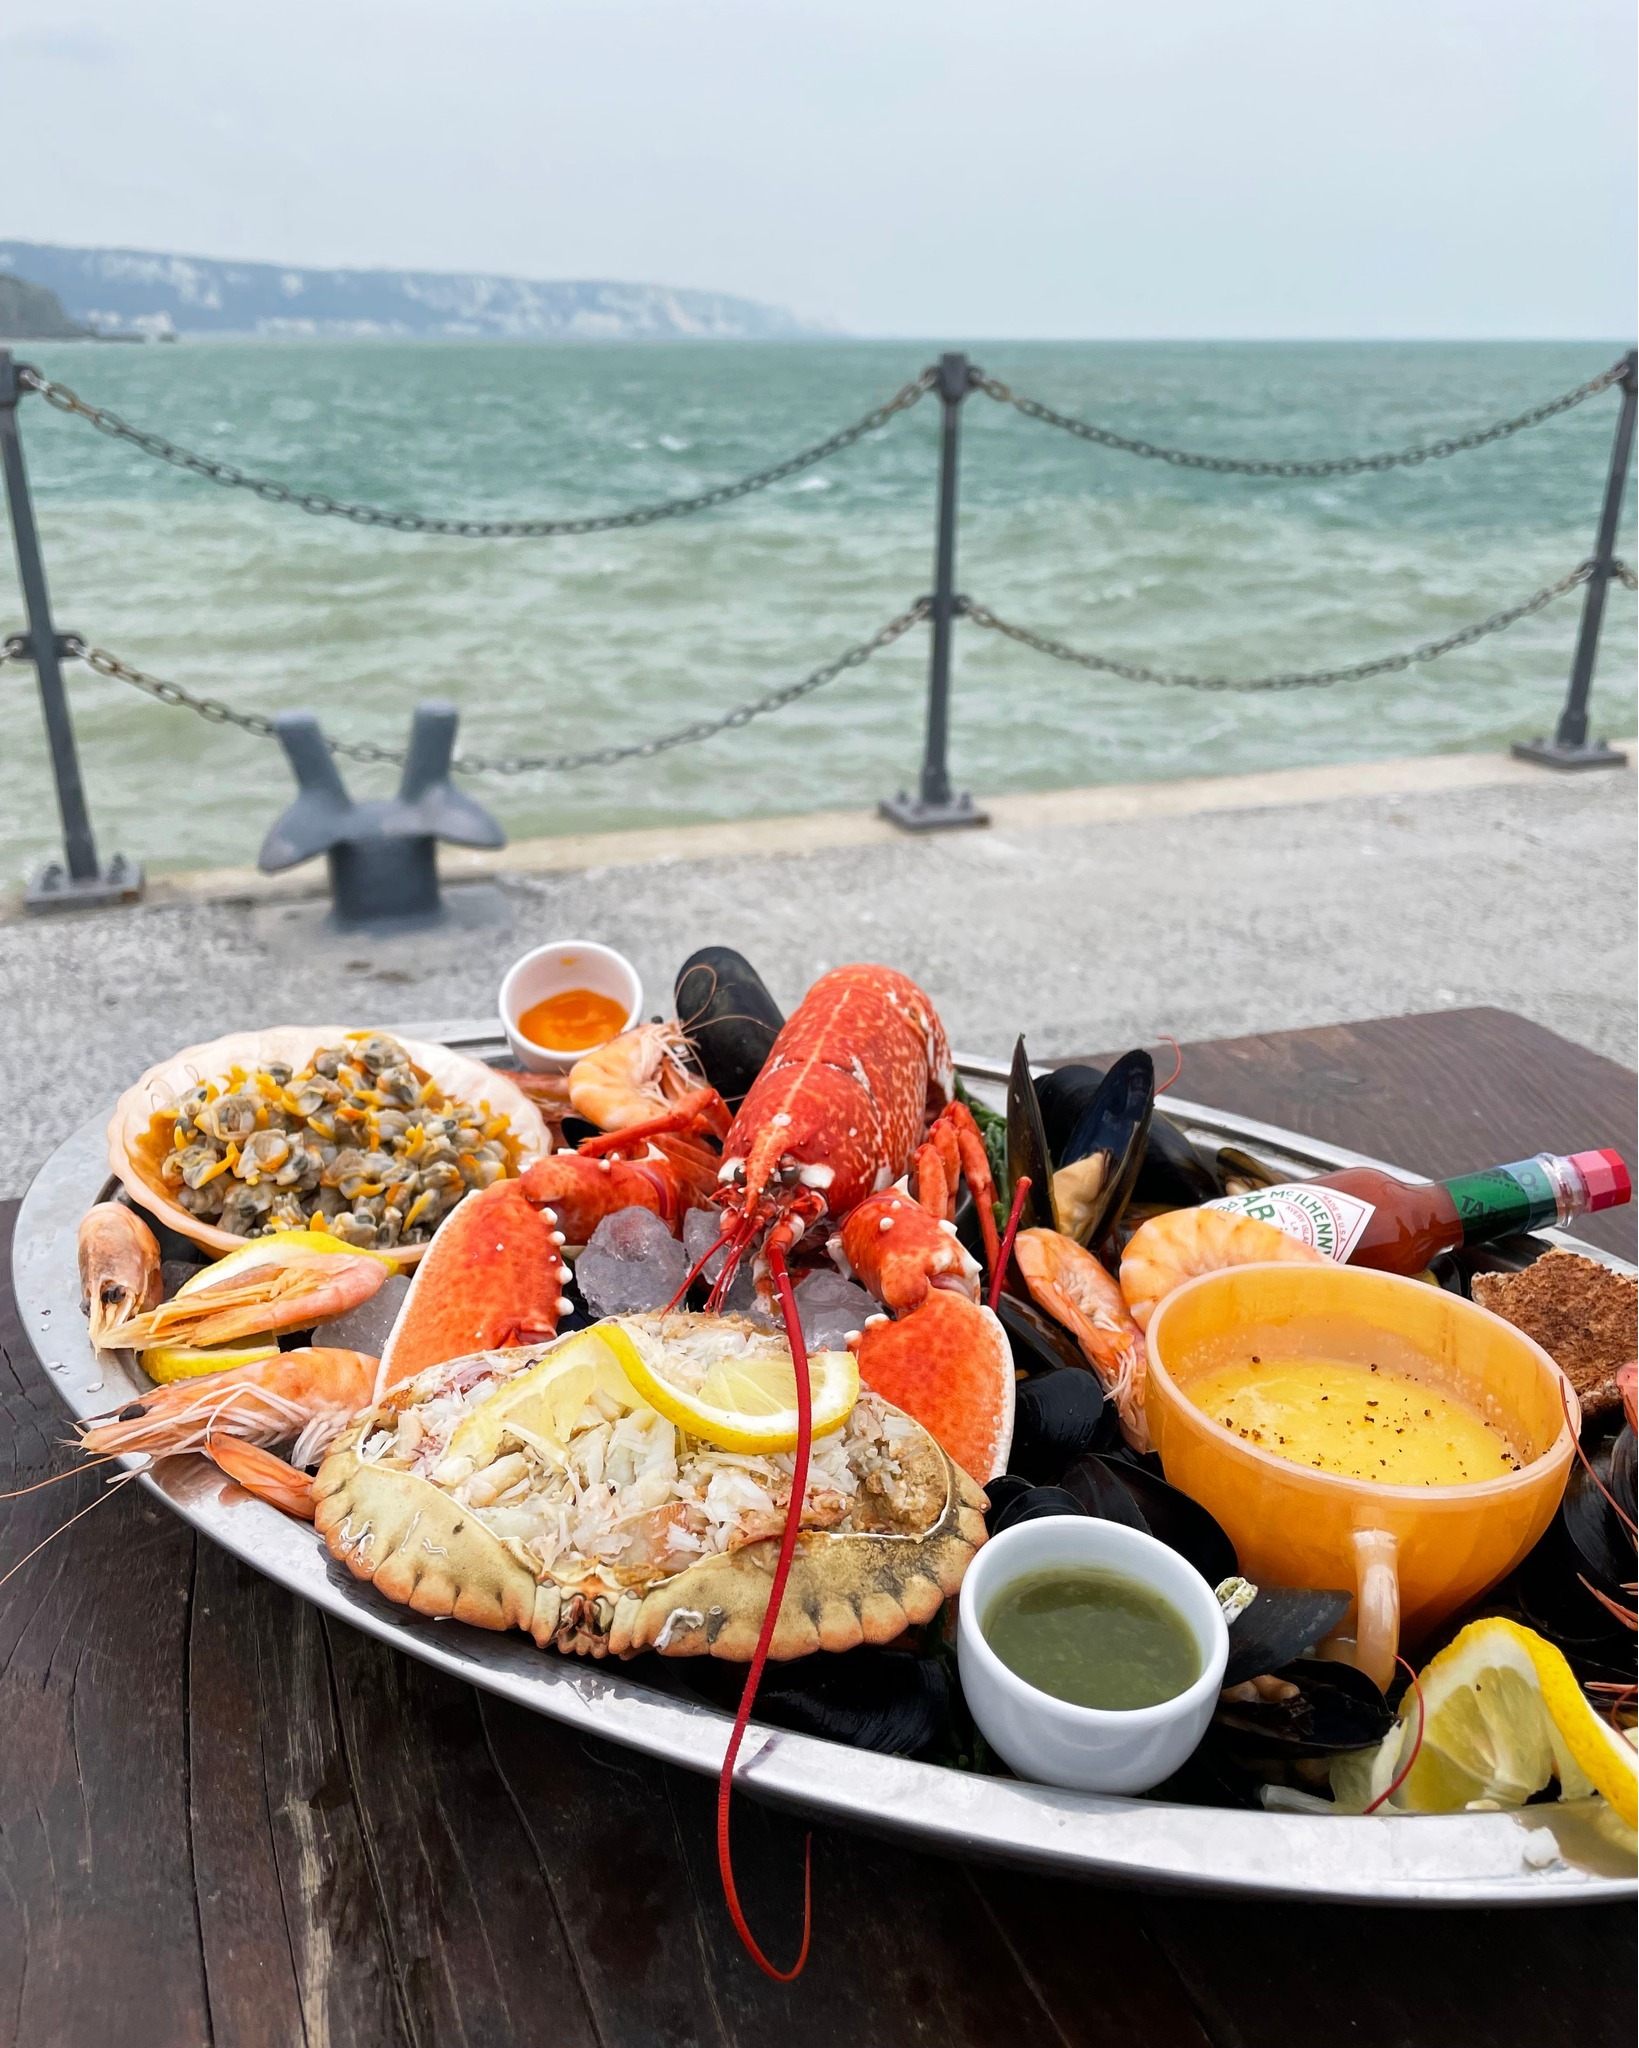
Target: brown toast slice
1584 1315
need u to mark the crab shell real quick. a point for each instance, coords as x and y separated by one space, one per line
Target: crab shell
131 1152
421 1548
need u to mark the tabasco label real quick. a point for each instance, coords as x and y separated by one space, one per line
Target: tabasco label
1324 1218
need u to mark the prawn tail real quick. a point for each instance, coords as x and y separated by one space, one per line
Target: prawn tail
260 1473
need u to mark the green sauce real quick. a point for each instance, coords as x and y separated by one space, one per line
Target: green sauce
1093 1637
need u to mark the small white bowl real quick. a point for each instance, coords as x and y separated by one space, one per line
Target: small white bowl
1088 1749
548 971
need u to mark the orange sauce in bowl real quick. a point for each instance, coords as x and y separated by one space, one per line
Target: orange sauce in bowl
574 1020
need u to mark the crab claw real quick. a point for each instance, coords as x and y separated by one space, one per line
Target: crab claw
896 1249
948 1365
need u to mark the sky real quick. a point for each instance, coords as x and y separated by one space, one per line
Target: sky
997 168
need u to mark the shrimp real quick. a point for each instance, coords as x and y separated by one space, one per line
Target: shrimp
308 1395
1069 1283
257 1291
644 1076
261 1473
119 1271
1168 1250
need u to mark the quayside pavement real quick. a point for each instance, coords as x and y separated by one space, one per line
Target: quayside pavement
1084 918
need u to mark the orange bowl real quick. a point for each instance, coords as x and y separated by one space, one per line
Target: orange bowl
1410 1555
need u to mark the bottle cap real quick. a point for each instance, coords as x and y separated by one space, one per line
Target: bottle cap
1606 1177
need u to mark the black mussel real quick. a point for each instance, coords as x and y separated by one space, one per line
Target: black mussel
1241 1173
1171 1517
1311 1707
729 1018
576 1129
1005 1488
1039 1343
1035 1504
1027 1151
1280 1625
1093 1485
1105 1149
890 1701
1173 1175
1064 1095
1056 1417
1592 1512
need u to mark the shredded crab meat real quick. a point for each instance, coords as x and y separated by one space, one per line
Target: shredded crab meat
627 1494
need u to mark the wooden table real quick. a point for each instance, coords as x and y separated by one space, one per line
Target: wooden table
225 1820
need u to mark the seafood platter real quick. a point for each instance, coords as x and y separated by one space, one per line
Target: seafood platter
1016 1458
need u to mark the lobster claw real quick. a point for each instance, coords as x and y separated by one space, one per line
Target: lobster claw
948 1364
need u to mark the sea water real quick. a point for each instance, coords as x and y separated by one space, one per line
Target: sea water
555 645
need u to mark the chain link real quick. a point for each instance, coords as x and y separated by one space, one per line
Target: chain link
217 713
1338 465
1387 664
13 648
323 505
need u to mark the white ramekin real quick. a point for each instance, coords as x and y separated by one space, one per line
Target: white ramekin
1088 1749
548 971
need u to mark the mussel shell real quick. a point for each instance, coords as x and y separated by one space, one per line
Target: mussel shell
576 1129
890 1701
1035 1504
1027 1150
1173 1173
728 1016
1038 1343
1057 1416
1243 1170
1278 1627
1604 1548
1337 1708
999 1492
1113 1128
1064 1095
1171 1517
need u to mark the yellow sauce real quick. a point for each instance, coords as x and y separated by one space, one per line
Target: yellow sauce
574 1021
1360 1421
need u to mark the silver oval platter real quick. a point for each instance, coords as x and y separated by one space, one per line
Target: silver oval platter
1536 1856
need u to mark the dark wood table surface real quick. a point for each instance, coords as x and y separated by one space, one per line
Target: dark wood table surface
224 1819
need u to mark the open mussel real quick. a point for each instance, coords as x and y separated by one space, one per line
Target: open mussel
891 1701
1278 1625
1057 1416
1039 1344
1241 1173
1028 1153
1577 1584
1172 1173
728 1016
1310 1707
1034 1504
1096 1168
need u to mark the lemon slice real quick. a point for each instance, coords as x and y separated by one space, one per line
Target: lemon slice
309 1243
167 1362
1503 1715
747 1399
546 1402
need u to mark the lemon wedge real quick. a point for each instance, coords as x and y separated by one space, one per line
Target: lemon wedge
546 1401
1503 1716
746 1399
311 1242
167 1362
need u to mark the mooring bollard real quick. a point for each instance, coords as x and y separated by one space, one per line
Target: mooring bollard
383 854
934 808
82 883
1570 746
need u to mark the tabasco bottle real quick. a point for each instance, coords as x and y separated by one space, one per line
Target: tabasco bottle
1362 1216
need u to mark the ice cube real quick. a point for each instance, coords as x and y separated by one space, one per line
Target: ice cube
831 1309
631 1262
366 1327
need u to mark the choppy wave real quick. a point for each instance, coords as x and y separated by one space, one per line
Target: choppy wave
563 644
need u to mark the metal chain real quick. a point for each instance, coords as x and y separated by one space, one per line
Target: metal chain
1339 465
323 505
1387 664
218 713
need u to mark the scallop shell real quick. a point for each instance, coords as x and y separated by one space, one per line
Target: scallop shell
295 1044
422 1549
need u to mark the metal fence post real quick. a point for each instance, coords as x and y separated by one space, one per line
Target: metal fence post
82 882
934 808
1570 746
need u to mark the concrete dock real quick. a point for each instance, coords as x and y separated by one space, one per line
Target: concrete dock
1086 918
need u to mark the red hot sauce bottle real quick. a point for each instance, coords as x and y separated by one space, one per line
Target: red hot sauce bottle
1398 1226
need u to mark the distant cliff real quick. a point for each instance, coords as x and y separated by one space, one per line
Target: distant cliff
30 312
139 291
